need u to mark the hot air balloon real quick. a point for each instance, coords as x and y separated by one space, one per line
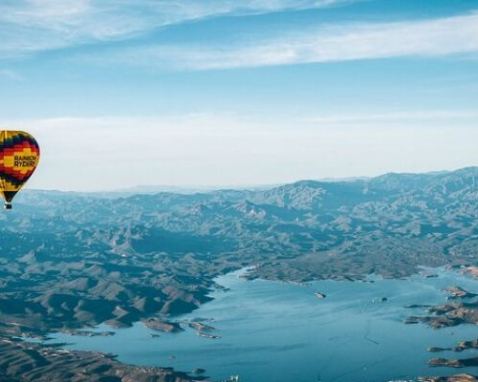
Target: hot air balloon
19 156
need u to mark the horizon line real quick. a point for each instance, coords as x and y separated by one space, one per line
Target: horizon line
192 189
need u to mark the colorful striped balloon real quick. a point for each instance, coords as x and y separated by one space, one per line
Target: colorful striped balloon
19 156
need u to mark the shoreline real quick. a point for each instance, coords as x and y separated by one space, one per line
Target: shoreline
239 273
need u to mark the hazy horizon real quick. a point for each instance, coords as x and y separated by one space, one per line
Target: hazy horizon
193 188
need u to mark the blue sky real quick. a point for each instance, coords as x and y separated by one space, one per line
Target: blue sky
210 92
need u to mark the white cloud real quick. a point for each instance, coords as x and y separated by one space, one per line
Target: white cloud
28 26
344 42
396 117
117 153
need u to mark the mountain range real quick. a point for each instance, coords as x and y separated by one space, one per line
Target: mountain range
70 260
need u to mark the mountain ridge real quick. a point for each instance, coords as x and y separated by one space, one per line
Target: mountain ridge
70 260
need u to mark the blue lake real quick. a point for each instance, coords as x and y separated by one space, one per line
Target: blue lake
278 332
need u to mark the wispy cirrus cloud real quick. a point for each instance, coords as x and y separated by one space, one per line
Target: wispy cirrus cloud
331 43
28 26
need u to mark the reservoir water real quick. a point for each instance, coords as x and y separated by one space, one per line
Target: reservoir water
278 332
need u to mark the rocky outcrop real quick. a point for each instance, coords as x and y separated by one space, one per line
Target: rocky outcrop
453 378
26 362
161 325
457 292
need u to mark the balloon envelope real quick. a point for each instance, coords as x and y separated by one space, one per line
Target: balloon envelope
19 156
